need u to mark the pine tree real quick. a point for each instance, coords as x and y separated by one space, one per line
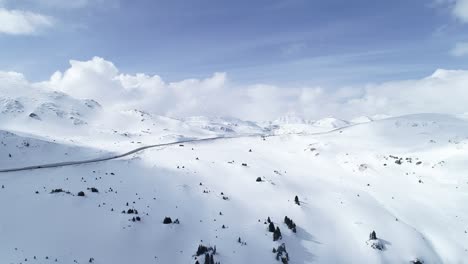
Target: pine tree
277 234
296 200
201 250
271 227
290 223
373 236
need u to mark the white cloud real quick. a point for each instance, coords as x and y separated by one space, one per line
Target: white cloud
67 4
62 3
443 92
12 79
460 49
459 8
16 22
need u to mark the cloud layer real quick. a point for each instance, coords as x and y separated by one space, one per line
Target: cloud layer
18 22
443 92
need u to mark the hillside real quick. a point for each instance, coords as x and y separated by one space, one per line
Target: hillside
404 177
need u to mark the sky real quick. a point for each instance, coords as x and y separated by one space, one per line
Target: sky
249 59
293 42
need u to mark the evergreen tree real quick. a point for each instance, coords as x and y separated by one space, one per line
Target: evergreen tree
290 223
296 200
201 250
271 227
373 236
277 234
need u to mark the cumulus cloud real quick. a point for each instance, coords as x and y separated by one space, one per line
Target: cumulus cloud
9 79
442 92
17 22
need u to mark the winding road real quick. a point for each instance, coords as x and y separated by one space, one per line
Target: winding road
80 162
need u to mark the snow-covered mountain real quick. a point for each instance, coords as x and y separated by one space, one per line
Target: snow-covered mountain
323 186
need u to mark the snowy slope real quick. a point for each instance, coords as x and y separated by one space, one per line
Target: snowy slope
403 177
19 151
293 124
56 116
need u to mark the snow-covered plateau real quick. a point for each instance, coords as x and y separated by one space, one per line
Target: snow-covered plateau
322 187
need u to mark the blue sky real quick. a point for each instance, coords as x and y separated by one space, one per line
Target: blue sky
283 42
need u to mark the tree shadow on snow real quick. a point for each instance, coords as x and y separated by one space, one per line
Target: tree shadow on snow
385 243
298 253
